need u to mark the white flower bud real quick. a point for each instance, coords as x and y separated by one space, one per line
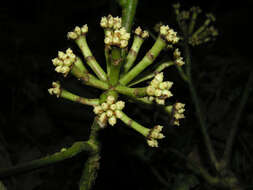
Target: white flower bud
112 120
61 55
123 43
109 113
118 114
158 92
120 105
103 22
58 69
145 34
176 53
56 90
152 143
72 35
138 31
164 30
151 98
105 106
169 84
167 93
108 41
155 83
113 107
151 90
103 118
159 77
77 30
110 100
163 85
84 29
97 109
160 101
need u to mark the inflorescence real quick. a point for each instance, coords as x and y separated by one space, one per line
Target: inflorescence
187 21
109 109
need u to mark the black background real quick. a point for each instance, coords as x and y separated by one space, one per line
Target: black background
34 124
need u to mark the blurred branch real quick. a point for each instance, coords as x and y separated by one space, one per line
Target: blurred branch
64 154
235 124
195 98
92 164
128 12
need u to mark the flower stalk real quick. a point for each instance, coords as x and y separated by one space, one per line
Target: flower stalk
79 35
133 52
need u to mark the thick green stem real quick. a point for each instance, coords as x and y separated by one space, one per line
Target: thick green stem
235 124
160 68
64 154
89 79
90 59
116 61
75 98
145 62
91 166
133 124
203 128
133 52
128 13
133 92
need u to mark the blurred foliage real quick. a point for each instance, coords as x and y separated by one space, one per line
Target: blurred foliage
32 124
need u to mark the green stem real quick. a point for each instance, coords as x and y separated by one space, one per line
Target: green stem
90 59
116 61
196 168
91 166
107 59
133 52
133 92
133 124
202 28
145 62
160 68
193 22
128 13
75 98
182 73
89 79
235 124
203 128
75 149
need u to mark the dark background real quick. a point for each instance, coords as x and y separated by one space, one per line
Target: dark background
34 124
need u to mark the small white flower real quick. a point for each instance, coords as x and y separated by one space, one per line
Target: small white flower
105 106
112 120
120 105
77 32
56 89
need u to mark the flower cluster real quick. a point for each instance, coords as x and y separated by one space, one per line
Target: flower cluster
178 110
110 22
159 89
64 61
207 35
178 58
56 90
141 33
77 32
115 35
169 34
109 111
154 134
